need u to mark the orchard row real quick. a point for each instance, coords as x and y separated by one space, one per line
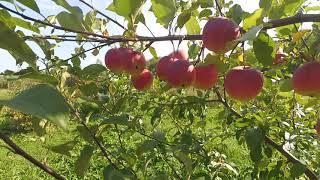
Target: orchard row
219 34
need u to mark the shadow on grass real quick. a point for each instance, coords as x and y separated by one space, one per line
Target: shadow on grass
11 126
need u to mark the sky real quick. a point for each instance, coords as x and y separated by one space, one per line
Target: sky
65 50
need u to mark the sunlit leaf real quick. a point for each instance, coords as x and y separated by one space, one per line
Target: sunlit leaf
42 101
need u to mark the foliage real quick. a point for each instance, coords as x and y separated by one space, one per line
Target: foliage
164 133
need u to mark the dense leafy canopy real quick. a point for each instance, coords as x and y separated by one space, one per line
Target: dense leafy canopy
165 132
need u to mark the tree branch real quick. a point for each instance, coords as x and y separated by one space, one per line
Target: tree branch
308 172
300 18
49 24
219 8
104 15
16 149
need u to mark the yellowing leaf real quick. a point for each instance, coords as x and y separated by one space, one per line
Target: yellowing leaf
240 57
253 20
298 35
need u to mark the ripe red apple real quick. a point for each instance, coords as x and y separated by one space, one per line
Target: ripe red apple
114 61
218 34
180 54
135 63
306 79
279 58
162 67
206 76
317 127
243 83
180 73
143 81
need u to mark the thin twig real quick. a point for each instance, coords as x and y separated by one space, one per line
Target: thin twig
49 24
66 39
219 8
21 152
159 141
104 15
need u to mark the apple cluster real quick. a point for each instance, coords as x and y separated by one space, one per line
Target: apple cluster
128 61
242 83
178 72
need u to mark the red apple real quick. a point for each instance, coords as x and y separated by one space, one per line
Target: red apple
218 34
206 76
162 67
143 81
279 58
135 63
306 79
180 54
114 60
243 83
180 73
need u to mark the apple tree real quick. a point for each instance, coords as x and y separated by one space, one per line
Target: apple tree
249 76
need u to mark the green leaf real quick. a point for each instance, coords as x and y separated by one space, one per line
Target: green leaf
297 170
14 21
286 85
254 139
277 10
30 4
153 52
16 46
215 59
183 18
264 49
187 162
164 10
76 11
42 101
92 71
83 162
122 119
156 115
205 13
110 173
312 8
251 34
127 8
70 21
64 148
265 4
85 134
41 77
253 20
235 13
193 26
292 6
146 146
193 51
89 89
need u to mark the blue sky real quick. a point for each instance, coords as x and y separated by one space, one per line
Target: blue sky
66 49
